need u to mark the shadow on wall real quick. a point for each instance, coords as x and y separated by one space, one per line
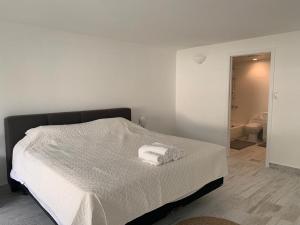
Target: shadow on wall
155 120
188 128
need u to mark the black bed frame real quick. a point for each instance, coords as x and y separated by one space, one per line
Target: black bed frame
16 126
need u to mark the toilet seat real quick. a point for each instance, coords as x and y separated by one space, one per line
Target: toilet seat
254 125
253 128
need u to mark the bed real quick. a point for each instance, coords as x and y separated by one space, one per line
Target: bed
84 169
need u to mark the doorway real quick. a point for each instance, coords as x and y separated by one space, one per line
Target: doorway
249 105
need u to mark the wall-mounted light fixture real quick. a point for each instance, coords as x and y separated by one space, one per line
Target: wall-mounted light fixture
199 59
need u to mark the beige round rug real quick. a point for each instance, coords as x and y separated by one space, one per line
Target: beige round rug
206 221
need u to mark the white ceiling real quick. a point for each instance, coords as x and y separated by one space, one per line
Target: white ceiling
179 23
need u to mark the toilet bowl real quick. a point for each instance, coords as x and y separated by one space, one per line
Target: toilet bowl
252 129
255 125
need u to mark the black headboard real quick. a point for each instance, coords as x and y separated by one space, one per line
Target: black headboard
16 126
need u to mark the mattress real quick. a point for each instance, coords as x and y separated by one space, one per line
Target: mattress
90 174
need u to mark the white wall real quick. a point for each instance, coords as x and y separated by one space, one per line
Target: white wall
202 93
250 84
50 71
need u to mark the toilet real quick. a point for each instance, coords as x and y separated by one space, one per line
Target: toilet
255 125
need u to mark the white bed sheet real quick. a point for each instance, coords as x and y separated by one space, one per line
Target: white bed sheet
89 174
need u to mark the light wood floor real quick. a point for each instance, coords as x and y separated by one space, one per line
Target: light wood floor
251 195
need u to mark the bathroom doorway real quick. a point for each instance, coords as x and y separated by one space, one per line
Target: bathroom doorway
249 97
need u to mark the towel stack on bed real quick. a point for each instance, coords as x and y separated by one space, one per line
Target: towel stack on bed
158 154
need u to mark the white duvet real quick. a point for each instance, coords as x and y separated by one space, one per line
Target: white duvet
90 173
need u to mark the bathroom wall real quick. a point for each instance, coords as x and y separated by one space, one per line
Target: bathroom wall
250 85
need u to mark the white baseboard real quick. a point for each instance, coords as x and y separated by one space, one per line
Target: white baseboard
285 168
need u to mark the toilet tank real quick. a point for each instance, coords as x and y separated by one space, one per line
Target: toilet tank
261 118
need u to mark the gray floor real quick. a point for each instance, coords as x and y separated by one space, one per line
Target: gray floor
18 209
252 195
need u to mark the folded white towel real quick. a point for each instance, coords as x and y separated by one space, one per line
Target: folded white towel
154 148
151 157
178 154
161 150
173 152
158 153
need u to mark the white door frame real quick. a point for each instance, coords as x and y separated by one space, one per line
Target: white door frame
271 96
